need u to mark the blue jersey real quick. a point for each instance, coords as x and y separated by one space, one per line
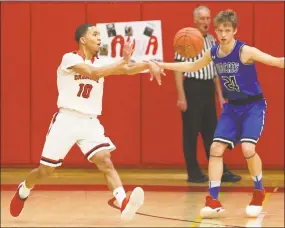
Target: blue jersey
238 80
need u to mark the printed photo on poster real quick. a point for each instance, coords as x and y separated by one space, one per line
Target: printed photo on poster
148 31
129 31
111 30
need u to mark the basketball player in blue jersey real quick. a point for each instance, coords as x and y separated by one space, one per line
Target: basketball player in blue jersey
243 116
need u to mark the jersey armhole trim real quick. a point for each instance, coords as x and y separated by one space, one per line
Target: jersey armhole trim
239 53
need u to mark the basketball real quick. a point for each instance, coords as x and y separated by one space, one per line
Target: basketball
188 42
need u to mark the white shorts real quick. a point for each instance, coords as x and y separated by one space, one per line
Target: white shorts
69 127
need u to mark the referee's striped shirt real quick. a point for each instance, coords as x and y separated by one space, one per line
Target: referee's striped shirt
206 73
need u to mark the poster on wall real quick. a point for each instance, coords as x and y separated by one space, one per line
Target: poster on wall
146 35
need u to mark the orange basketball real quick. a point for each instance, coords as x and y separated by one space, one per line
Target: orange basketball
188 42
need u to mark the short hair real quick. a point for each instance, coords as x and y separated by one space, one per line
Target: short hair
81 31
226 17
197 9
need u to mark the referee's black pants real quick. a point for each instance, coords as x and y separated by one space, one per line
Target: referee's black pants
200 117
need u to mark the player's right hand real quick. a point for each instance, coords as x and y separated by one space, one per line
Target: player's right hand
182 102
128 50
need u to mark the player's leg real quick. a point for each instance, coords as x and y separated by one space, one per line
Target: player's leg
254 164
213 207
96 148
216 167
57 145
128 204
25 187
214 150
102 159
33 178
209 123
252 127
225 136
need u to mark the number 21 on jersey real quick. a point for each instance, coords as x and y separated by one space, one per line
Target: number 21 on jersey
231 83
84 90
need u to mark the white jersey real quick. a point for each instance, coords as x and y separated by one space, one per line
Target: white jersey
77 92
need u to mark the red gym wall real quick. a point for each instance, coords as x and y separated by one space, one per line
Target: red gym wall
140 117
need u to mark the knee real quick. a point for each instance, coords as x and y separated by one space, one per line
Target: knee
45 171
248 149
217 149
103 161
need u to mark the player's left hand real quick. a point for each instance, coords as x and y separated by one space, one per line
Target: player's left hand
128 50
155 71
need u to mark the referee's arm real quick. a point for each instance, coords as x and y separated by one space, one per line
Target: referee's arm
178 78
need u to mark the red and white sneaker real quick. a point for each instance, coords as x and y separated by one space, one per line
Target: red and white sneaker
17 203
255 206
132 203
212 209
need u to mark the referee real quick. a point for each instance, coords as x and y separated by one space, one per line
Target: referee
196 100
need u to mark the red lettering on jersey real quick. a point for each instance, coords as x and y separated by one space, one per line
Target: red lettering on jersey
79 77
84 77
152 42
84 90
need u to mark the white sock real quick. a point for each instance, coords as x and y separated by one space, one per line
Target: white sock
257 178
213 184
24 192
120 195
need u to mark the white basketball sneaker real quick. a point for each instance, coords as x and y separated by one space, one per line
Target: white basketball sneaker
212 209
255 206
132 203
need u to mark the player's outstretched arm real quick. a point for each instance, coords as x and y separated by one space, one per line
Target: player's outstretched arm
188 66
255 54
135 68
96 73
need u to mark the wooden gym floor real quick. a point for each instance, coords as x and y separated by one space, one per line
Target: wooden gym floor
79 198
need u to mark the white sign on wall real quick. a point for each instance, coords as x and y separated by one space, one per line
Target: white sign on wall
146 35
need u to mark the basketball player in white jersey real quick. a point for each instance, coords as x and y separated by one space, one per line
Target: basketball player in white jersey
80 79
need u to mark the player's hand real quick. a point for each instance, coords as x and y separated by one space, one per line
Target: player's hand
155 72
128 50
182 102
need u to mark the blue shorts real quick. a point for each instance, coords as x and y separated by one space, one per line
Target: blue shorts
241 123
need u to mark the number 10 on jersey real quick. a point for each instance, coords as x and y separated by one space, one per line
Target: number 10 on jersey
84 90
